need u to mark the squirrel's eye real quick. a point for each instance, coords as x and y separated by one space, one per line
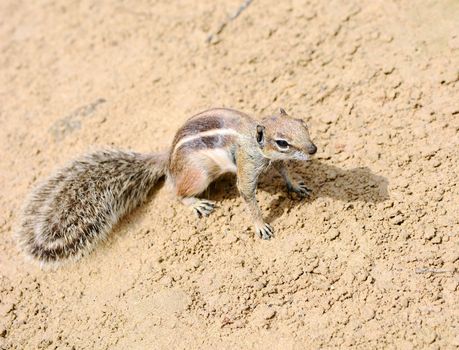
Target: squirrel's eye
282 143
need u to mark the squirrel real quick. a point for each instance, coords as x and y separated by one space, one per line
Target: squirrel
70 212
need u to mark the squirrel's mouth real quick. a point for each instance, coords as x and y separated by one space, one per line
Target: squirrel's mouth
301 156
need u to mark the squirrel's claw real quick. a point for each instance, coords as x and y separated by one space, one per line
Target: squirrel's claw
300 189
203 207
265 231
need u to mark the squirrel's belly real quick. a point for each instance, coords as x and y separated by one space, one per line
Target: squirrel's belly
219 161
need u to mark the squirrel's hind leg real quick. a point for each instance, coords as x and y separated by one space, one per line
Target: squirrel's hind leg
190 184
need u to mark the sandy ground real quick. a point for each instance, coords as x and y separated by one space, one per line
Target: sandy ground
371 260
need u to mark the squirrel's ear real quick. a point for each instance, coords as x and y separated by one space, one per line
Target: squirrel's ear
282 112
261 135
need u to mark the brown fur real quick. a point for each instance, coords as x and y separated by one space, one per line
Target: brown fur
184 156
191 183
198 125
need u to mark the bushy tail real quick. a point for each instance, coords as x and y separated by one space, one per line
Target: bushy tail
68 214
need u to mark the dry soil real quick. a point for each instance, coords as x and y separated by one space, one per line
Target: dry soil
371 260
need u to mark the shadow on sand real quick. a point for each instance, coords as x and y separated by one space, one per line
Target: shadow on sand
353 185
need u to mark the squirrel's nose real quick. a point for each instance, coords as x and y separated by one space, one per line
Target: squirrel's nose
312 149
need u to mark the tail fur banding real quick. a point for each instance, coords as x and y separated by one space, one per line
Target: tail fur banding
68 214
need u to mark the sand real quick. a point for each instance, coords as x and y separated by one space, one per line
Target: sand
371 260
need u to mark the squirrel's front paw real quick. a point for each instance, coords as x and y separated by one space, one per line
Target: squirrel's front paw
264 230
203 207
299 188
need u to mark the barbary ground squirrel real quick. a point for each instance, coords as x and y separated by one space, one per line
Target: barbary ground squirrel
69 213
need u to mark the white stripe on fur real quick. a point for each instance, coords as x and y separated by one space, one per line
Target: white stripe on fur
213 132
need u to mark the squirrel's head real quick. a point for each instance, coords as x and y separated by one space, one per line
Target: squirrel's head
282 137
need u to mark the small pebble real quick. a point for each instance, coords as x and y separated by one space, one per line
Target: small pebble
429 232
436 240
368 313
332 234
